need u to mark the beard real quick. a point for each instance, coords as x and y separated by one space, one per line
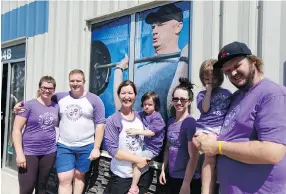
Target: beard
248 79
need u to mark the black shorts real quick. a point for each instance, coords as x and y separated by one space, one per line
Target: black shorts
174 185
122 185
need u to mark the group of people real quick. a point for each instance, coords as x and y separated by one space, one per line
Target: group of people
242 135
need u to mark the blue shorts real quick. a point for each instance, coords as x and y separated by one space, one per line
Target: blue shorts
70 157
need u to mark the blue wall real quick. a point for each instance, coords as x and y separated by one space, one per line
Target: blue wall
25 21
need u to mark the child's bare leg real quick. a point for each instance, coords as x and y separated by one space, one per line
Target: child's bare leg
135 180
208 175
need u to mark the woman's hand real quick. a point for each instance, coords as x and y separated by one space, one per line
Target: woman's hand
162 178
132 131
21 160
185 188
123 63
142 162
18 108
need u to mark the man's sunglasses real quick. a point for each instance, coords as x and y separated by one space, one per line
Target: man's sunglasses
183 100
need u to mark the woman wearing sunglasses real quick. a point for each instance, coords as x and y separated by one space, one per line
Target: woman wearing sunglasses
180 155
36 146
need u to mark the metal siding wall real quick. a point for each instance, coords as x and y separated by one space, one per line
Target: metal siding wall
272 39
7 6
25 21
66 46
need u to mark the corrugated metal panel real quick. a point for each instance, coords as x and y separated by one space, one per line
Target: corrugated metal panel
7 6
25 21
66 46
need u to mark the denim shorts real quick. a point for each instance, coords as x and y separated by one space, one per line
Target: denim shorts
71 157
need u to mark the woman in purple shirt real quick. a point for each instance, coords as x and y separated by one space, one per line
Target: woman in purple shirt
125 149
180 155
36 146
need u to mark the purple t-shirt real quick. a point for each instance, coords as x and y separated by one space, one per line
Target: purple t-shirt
219 104
39 136
156 124
259 114
179 134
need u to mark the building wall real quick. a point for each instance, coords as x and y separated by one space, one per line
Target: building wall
63 42
66 44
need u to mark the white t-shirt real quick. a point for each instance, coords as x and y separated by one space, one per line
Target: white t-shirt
78 118
128 143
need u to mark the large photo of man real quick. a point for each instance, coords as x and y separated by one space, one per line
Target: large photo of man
160 31
110 42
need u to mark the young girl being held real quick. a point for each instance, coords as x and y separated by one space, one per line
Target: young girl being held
153 133
213 103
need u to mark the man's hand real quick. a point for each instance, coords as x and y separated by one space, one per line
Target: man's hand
124 63
185 188
132 131
94 154
206 143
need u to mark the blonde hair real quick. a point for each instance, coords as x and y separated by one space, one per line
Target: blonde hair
77 71
258 62
207 69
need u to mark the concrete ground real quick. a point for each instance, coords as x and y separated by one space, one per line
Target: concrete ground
9 182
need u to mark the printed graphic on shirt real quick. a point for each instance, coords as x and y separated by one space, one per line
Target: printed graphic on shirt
229 120
134 142
219 103
73 112
47 120
174 140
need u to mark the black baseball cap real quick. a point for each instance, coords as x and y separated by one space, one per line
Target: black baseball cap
230 51
164 14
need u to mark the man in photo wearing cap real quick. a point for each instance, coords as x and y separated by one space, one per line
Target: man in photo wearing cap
161 76
251 146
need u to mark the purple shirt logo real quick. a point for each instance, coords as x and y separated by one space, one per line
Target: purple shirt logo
47 120
229 120
219 104
133 142
73 112
174 140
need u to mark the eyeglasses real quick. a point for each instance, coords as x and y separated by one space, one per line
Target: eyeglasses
183 100
47 89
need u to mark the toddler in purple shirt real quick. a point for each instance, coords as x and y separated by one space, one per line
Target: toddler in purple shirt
154 133
213 104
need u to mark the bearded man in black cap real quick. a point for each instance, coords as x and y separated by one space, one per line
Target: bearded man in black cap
251 147
161 76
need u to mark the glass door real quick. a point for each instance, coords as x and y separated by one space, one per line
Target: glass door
15 94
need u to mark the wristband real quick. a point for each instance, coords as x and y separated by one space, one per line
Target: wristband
220 147
117 67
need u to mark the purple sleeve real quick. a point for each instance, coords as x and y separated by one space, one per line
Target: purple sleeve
27 106
111 136
98 108
190 127
58 96
157 124
200 98
270 121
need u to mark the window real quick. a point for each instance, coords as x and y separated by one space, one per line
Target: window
144 37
